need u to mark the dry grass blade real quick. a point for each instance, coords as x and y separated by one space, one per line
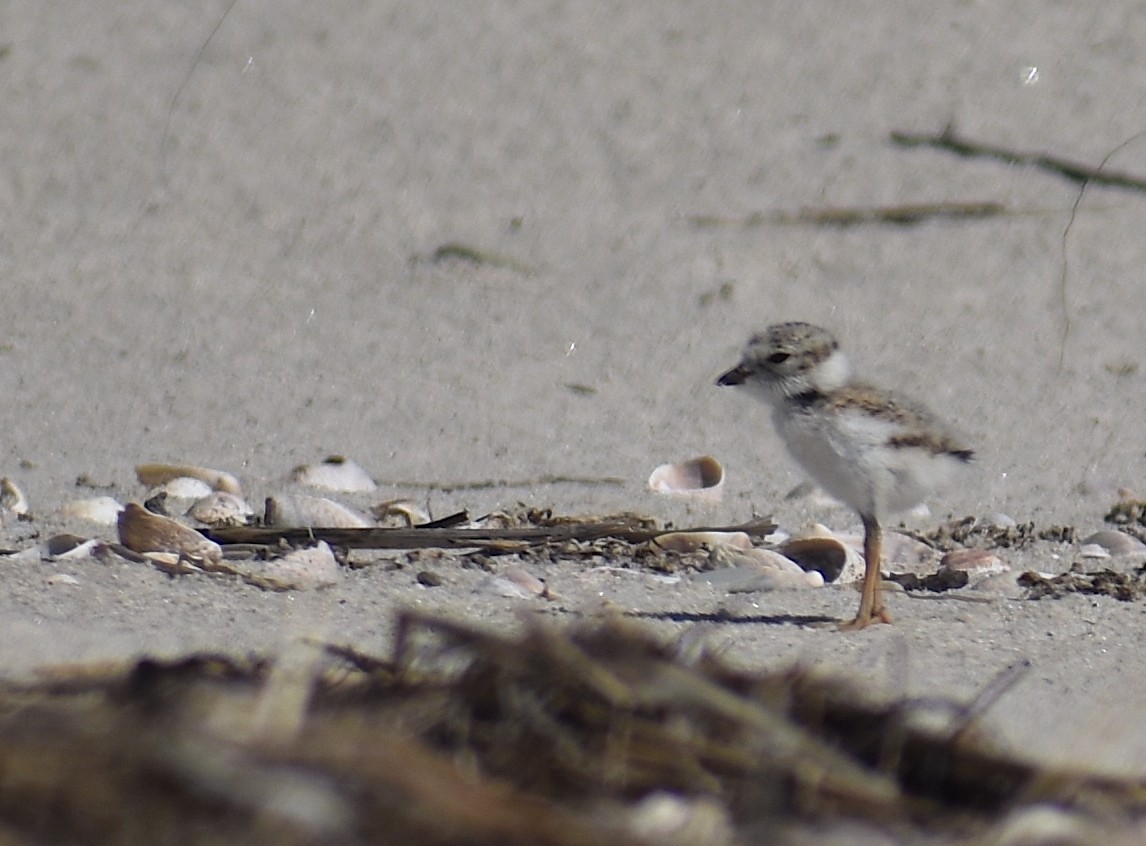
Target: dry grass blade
553 737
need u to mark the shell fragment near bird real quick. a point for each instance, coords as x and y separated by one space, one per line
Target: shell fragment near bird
154 475
334 473
1109 543
221 509
301 569
692 541
12 499
102 510
144 532
311 512
180 489
976 563
702 478
826 553
399 514
752 570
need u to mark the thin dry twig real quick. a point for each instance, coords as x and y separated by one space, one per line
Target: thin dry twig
950 141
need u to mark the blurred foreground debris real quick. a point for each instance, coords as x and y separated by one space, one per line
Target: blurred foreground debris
597 734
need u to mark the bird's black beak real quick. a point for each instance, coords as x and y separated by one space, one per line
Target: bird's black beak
735 376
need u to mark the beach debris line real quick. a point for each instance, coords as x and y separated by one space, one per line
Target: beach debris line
597 733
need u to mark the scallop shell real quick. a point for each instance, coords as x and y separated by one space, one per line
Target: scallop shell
309 512
701 477
827 554
154 475
12 498
1113 543
334 473
221 509
102 510
301 569
399 514
692 541
187 488
976 563
751 570
142 531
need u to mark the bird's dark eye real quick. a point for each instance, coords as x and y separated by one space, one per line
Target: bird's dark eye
778 358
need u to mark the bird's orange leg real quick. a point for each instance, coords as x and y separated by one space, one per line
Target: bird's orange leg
871 608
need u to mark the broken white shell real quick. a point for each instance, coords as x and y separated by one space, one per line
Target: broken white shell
12 498
701 477
154 475
103 510
142 531
399 514
310 512
826 553
181 488
751 570
692 541
301 569
221 509
334 473
87 549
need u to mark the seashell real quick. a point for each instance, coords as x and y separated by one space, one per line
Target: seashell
826 553
63 544
399 514
12 498
175 563
976 563
309 512
515 583
301 569
701 477
751 570
334 473
221 509
673 820
1111 542
181 487
102 510
142 531
154 475
692 541
88 549
529 583
62 579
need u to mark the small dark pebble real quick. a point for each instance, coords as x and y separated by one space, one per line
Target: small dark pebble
429 578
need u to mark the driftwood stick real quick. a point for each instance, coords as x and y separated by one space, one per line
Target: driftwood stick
450 538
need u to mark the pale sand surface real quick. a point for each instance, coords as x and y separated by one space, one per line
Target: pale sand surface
223 259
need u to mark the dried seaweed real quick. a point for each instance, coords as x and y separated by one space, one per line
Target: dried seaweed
1123 586
551 737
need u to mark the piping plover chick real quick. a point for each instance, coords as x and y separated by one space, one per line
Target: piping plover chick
877 451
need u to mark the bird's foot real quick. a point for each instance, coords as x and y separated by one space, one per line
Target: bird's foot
862 621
